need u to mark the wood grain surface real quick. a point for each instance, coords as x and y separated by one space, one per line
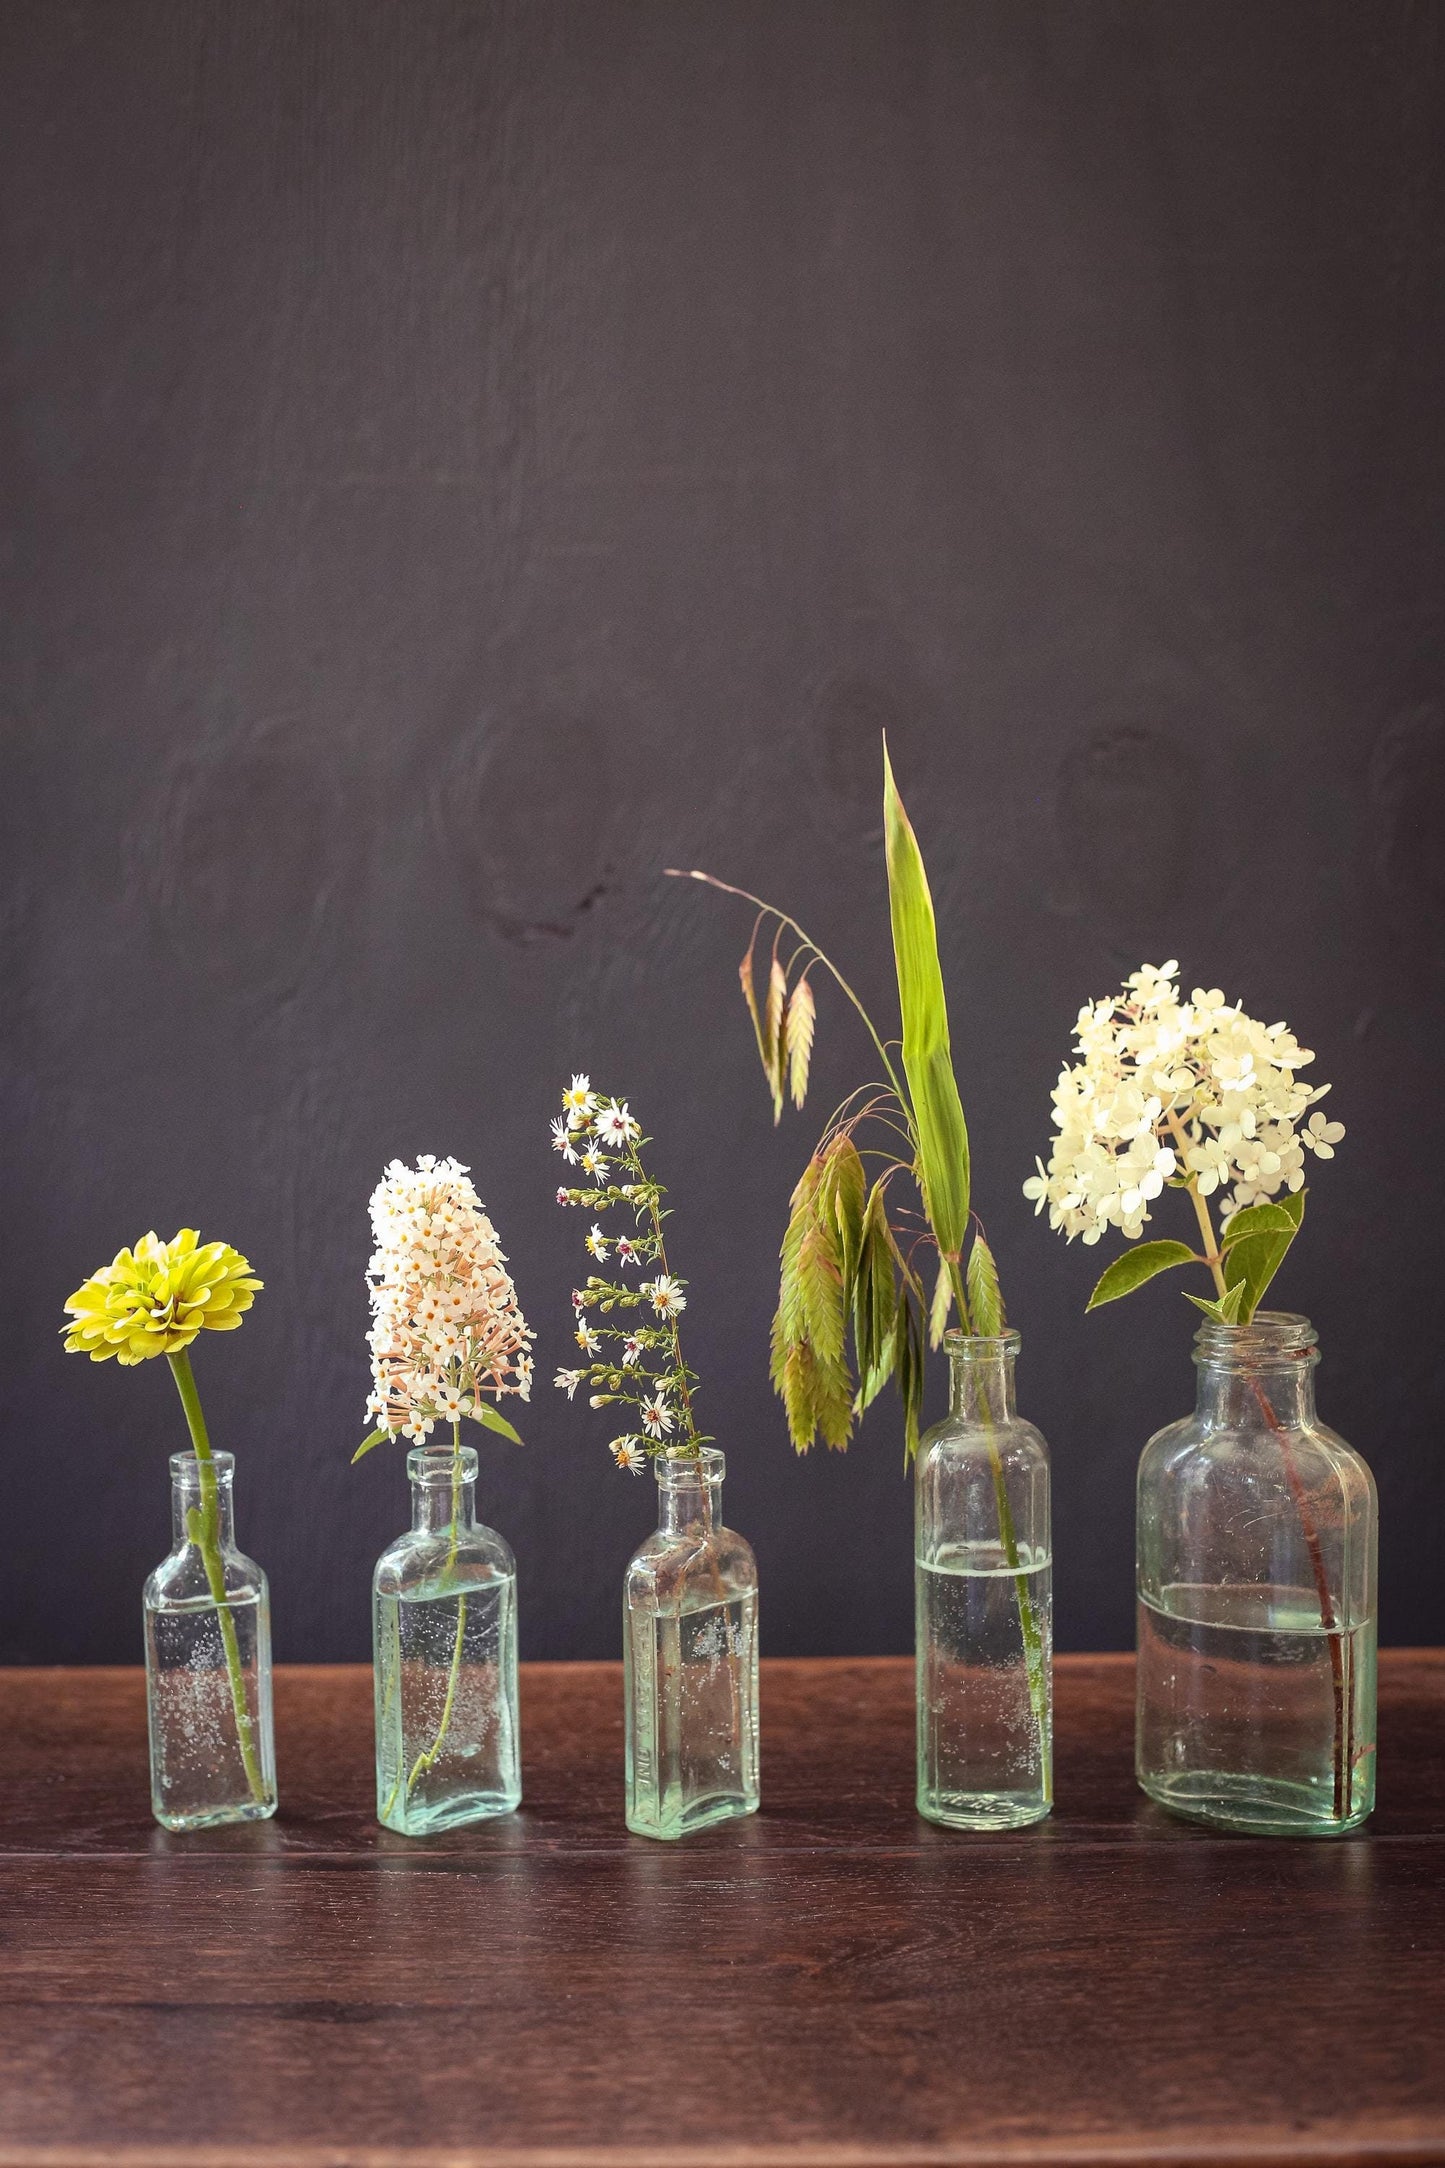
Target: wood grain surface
833 1984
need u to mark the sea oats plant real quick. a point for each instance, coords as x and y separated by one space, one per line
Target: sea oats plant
854 1258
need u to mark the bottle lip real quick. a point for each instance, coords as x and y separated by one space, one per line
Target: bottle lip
185 1468
978 1346
1271 1336
434 1466
686 1472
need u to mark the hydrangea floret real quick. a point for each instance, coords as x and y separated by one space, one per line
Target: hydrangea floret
1190 1095
637 1363
446 1329
156 1298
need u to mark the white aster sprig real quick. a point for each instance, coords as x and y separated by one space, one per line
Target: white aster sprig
1191 1095
446 1329
638 1363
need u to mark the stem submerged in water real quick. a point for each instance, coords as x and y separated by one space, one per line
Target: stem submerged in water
208 1542
428 1757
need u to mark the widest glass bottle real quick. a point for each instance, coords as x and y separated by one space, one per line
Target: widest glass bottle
445 1638
1256 1541
208 1661
984 1616
690 1659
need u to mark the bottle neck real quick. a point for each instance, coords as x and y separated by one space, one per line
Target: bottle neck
689 1494
445 1499
204 1488
1258 1376
982 1377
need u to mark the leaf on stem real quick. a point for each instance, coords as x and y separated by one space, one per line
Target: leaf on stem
985 1298
367 1443
927 1058
486 1413
802 1016
1138 1265
1254 1256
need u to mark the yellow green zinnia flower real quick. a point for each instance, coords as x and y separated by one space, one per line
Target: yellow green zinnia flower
156 1297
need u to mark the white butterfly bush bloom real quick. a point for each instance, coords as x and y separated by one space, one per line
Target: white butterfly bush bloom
1166 1089
445 1323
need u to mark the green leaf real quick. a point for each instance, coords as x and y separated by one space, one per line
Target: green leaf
1138 1265
985 1297
1259 1219
882 1287
1252 1260
927 1058
486 1413
367 1443
941 1305
798 1025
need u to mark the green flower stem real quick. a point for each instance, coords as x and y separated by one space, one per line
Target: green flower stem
428 1757
208 1542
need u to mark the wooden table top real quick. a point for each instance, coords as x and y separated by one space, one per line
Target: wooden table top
832 1984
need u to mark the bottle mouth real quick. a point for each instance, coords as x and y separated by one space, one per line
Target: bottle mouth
688 1472
1271 1336
436 1466
185 1468
981 1346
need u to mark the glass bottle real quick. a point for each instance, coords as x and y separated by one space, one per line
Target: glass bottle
1256 1541
208 1661
690 1659
445 1638
984 1601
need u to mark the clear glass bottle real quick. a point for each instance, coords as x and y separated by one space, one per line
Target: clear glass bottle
445 1639
984 1601
208 1661
1256 1539
690 1660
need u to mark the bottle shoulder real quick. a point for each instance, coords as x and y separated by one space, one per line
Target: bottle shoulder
671 1568
956 1439
418 1556
180 1580
1197 1453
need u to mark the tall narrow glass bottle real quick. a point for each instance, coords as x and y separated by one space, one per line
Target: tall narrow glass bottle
690 1650
445 1628
1256 1540
208 1661
983 1582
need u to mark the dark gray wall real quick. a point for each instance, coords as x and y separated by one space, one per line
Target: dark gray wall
462 459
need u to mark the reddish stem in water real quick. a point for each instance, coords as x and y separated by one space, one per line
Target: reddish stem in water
1343 1770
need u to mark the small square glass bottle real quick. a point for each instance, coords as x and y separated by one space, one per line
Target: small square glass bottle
445 1627
690 1646
208 1661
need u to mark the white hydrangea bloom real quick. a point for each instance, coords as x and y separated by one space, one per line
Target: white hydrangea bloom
1166 1089
445 1323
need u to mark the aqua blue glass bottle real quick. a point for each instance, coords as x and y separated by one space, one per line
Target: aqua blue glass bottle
208 1661
690 1659
445 1635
